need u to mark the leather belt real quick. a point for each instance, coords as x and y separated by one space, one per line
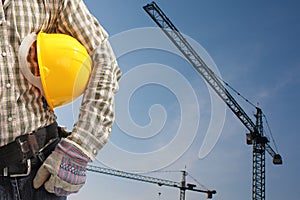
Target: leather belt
18 157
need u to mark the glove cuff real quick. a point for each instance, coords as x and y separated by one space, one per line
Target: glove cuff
73 151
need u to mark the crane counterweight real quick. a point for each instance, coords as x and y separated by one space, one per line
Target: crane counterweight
277 160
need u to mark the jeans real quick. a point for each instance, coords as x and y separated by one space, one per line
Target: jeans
21 188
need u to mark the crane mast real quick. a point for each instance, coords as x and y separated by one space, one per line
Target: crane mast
259 160
183 186
256 135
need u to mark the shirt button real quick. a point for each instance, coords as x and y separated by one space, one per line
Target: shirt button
3 54
10 119
8 85
95 151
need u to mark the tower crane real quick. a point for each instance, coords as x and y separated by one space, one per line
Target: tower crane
255 137
183 186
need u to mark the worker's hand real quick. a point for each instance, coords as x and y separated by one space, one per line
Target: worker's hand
64 171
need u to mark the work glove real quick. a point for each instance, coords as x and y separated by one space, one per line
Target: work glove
64 171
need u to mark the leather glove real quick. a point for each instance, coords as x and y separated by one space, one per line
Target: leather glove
64 171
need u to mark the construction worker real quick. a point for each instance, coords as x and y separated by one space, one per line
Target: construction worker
38 159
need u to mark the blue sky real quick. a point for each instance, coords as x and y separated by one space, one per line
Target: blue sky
165 111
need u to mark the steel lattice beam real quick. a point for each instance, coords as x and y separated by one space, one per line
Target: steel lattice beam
259 141
133 176
161 182
191 55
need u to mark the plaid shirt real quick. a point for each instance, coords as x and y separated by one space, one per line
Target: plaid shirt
22 108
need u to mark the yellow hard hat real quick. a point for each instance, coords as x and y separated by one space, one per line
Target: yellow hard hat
64 66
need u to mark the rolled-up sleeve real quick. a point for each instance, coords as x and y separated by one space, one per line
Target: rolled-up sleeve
96 115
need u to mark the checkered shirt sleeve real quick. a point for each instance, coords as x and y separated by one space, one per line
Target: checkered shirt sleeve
96 116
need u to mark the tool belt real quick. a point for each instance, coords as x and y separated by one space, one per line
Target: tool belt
28 151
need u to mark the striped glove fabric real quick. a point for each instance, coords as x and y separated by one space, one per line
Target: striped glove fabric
64 171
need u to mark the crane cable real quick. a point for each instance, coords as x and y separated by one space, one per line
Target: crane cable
253 105
270 132
235 91
203 186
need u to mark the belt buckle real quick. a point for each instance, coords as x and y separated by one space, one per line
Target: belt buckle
28 167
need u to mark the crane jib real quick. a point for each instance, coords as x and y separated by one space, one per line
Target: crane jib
256 136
